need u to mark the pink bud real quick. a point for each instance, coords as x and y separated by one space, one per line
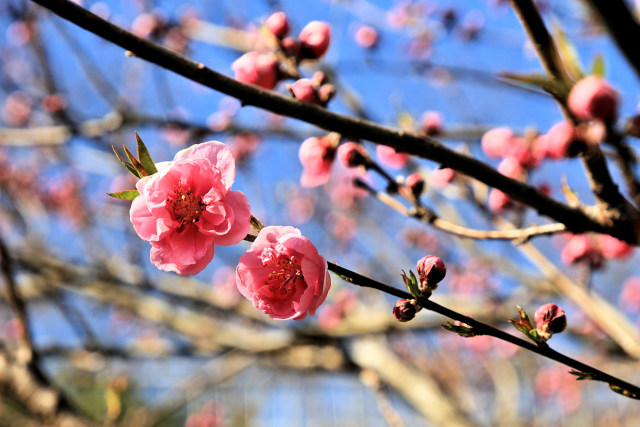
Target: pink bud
415 183
304 90
610 247
519 149
390 157
315 38
316 156
431 123
405 310
498 201
260 69
577 248
559 139
291 47
278 24
366 37
351 154
593 98
496 142
512 168
550 319
439 178
431 270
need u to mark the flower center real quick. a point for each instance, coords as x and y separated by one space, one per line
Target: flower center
285 274
187 207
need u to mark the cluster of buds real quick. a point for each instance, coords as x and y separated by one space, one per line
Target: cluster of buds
263 68
549 319
594 250
431 271
312 43
313 90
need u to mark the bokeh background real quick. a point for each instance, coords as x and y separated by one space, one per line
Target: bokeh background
131 345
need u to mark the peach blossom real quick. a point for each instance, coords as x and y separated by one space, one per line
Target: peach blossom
305 90
559 139
498 201
440 177
352 154
316 156
283 275
256 68
431 123
593 98
389 157
550 319
315 38
187 207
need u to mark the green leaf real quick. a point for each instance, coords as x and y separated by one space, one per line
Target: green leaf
568 53
145 157
623 392
598 66
256 224
125 195
136 164
126 164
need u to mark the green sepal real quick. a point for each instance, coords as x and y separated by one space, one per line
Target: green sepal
623 392
463 330
125 164
136 164
597 69
144 157
125 195
568 53
411 283
537 80
524 325
581 376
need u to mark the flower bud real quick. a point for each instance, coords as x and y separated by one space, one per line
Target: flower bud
405 310
304 90
593 98
496 141
498 201
278 24
260 69
315 38
431 123
326 92
431 270
291 47
550 319
351 154
559 139
415 183
366 37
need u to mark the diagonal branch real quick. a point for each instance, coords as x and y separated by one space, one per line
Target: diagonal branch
576 218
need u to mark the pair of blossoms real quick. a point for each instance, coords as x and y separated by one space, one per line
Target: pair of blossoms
593 103
263 68
187 207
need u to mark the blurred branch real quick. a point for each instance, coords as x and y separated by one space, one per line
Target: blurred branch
623 27
576 218
427 216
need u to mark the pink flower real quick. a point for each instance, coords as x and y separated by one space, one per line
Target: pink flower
315 38
278 24
578 248
405 310
305 90
316 156
496 142
550 319
260 69
593 98
390 157
283 275
431 270
415 183
512 168
610 247
366 37
187 208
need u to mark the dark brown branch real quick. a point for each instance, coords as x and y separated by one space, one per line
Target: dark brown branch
576 218
624 29
484 329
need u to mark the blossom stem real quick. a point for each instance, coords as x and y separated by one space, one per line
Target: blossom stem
484 329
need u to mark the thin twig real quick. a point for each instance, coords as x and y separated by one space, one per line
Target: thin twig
427 216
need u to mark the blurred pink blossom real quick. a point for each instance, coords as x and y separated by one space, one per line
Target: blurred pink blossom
315 38
256 68
316 156
389 157
593 98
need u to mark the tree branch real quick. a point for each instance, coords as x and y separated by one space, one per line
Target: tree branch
576 218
